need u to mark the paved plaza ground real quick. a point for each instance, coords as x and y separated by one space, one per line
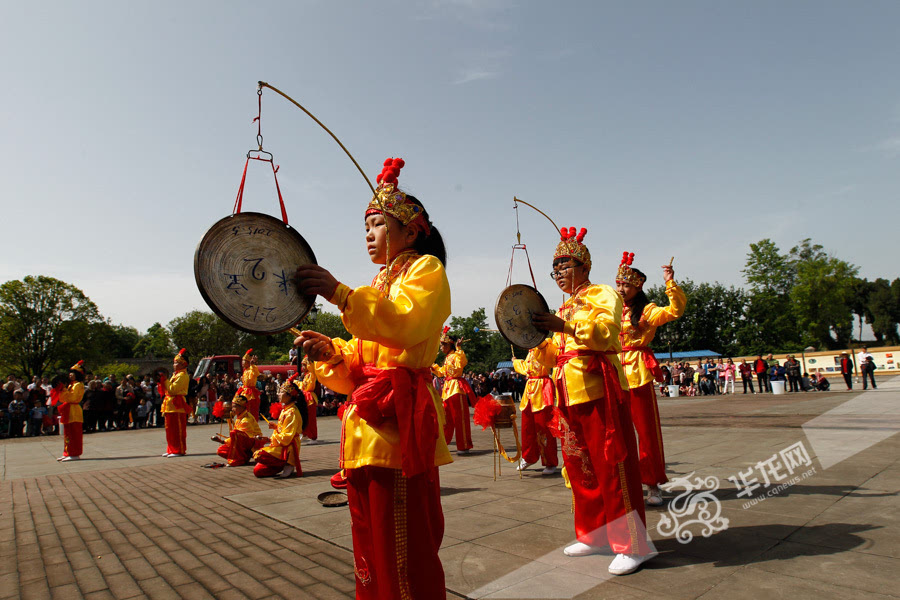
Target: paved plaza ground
126 523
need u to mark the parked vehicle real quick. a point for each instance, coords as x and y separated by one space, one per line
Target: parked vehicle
231 364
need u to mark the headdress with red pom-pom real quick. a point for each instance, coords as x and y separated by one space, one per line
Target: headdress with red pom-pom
571 245
181 358
79 366
389 199
289 387
445 335
626 273
248 354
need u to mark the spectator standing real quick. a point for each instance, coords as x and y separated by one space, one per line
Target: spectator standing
761 368
720 375
793 369
861 357
17 412
89 405
777 372
746 370
36 418
728 370
868 369
847 369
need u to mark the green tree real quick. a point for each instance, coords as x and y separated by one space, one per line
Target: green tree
769 324
859 300
883 310
202 333
155 343
711 321
822 296
42 321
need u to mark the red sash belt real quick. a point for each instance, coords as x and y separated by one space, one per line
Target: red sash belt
649 360
546 390
179 402
310 399
403 394
467 389
614 442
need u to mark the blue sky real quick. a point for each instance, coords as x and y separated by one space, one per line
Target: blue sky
666 128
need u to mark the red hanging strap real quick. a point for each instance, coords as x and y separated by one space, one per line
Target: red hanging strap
238 202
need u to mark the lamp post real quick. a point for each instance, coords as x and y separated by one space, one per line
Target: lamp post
803 356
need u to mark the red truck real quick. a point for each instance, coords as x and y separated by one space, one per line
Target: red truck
231 364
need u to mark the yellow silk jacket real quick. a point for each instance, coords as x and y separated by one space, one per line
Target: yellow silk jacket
247 424
593 316
176 386
249 377
286 433
72 396
454 363
308 384
531 367
399 326
637 372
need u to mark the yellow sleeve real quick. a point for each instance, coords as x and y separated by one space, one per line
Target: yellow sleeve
309 381
420 306
547 352
334 373
462 361
658 315
519 366
178 384
287 429
437 370
601 331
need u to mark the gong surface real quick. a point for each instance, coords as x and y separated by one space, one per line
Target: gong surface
244 267
513 311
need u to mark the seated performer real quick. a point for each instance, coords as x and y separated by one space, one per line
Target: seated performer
456 392
281 458
244 437
392 442
249 375
640 318
70 413
594 421
308 387
537 404
174 406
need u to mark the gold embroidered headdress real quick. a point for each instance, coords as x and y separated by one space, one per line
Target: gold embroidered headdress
626 273
571 246
445 335
389 199
180 358
79 366
289 387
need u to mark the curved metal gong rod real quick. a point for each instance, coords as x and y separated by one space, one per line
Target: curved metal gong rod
515 200
263 84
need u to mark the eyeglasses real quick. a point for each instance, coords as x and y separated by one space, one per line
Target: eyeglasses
557 273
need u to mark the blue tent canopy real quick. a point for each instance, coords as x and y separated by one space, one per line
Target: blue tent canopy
662 355
505 364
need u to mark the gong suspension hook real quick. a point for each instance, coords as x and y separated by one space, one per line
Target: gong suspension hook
258 119
516 208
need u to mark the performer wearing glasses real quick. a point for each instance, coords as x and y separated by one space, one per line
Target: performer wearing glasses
593 420
640 318
392 439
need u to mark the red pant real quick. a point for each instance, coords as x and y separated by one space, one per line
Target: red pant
268 465
238 449
537 441
72 439
609 501
176 433
456 412
398 526
645 415
311 430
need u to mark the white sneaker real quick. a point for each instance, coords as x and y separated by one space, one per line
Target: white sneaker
623 564
579 549
165 455
70 458
654 497
173 455
60 459
523 465
549 471
310 442
288 471
463 451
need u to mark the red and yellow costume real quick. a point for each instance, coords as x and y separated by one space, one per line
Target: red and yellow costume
457 395
71 416
248 387
391 441
594 423
174 407
239 446
284 444
537 405
308 389
641 369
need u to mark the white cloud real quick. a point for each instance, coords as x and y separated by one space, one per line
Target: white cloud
470 75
